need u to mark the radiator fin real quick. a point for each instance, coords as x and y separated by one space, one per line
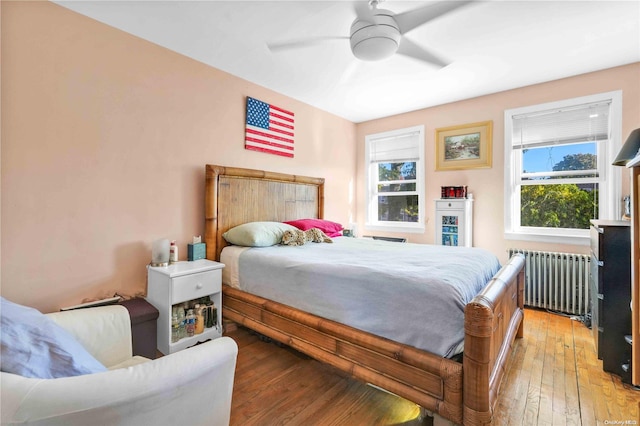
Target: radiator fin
556 281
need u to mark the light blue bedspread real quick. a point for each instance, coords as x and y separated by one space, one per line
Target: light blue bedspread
410 293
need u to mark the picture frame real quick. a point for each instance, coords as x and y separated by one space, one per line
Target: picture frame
467 146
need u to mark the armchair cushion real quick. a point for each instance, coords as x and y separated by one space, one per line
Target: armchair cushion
105 331
33 345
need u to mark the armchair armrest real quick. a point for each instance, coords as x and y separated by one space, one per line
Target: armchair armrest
193 387
105 331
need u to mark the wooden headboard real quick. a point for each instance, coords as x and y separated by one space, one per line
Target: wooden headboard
234 196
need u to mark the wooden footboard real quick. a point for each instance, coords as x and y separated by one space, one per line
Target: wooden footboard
432 382
493 321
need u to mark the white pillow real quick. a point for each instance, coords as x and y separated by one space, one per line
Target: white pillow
257 234
33 345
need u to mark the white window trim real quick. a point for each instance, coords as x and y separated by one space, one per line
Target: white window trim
609 205
408 227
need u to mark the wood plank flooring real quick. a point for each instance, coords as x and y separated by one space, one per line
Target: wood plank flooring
553 378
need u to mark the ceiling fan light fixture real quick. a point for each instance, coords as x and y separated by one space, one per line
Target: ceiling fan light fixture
375 49
374 41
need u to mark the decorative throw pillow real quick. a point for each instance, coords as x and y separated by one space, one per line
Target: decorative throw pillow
332 229
32 345
257 234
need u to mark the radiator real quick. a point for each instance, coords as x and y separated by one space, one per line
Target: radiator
556 281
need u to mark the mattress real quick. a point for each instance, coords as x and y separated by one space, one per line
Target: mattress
413 294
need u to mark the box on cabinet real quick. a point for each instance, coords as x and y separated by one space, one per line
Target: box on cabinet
196 251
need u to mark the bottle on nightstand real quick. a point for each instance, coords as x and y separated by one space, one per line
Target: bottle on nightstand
199 319
191 323
175 328
173 252
182 324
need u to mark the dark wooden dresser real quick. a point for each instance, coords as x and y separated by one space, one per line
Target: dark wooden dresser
610 287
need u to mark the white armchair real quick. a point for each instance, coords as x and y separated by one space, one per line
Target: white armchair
190 387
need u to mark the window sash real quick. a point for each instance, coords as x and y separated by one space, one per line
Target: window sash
595 173
396 194
400 183
396 182
377 192
558 182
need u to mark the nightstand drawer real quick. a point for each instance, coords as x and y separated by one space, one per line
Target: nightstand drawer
450 204
193 286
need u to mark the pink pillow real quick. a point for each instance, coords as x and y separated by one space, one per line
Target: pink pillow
332 229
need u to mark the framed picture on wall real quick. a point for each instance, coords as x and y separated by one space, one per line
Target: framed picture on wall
466 146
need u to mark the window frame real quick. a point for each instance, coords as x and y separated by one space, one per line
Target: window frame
609 181
371 183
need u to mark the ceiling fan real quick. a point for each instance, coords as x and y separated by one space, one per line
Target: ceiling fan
378 34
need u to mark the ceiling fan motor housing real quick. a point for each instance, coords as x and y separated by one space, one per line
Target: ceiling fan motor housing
373 41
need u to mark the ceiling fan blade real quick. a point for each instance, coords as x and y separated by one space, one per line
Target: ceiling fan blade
409 48
302 42
349 72
416 17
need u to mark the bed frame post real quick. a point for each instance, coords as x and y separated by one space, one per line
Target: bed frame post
210 210
477 350
521 284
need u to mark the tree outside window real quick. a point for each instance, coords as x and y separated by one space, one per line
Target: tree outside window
569 205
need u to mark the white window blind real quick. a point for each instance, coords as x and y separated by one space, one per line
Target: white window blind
582 123
395 149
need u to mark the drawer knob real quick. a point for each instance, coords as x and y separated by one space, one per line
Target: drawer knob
199 286
449 204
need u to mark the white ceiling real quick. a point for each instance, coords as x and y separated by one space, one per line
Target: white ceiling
493 46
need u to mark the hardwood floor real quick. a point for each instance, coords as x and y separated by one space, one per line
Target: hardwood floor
553 378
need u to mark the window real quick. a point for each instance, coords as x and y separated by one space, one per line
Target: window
558 172
395 180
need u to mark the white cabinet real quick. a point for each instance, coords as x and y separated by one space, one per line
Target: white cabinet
454 222
182 282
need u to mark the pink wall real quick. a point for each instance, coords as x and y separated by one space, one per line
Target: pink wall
104 141
105 137
487 184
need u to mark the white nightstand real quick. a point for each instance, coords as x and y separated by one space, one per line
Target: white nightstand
182 282
454 225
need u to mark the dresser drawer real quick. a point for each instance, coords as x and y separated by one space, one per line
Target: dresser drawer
595 272
197 285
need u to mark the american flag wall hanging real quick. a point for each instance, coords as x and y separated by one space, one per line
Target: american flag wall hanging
269 129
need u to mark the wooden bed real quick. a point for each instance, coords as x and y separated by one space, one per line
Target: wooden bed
464 393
